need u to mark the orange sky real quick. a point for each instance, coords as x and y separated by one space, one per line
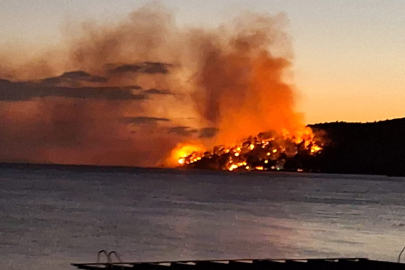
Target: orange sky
348 55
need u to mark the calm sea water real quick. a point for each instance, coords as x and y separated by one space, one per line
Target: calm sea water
50 218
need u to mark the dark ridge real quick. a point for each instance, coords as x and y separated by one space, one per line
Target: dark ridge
363 148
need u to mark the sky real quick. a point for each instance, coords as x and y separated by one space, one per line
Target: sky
348 55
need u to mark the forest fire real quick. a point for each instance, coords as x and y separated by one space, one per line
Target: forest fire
126 95
266 151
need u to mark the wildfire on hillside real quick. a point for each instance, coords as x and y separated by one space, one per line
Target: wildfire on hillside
126 95
266 151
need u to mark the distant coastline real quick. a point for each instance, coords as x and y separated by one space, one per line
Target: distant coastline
376 148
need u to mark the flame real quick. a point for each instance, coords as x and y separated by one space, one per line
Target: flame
186 153
243 89
259 153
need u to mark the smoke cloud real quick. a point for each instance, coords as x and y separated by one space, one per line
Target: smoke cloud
127 94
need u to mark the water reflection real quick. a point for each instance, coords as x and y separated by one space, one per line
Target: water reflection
50 219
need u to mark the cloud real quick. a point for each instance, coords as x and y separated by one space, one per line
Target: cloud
144 67
208 132
186 131
145 120
74 77
183 131
154 91
22 91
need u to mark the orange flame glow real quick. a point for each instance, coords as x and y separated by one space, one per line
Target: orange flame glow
256 153
185 153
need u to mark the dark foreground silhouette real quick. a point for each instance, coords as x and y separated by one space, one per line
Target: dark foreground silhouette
363 148
249 264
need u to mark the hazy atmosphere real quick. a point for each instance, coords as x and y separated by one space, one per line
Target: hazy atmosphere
347 54
101 84
127 93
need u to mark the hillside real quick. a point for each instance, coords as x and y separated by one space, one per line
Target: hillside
366 148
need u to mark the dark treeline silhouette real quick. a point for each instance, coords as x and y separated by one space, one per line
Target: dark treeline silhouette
351 148
362 148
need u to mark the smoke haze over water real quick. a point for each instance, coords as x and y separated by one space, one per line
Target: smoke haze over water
127 94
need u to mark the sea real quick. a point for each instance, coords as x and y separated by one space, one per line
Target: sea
50 218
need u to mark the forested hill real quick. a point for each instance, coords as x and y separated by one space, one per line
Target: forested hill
366 148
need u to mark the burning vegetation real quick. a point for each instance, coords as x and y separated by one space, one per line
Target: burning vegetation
266 151
245 87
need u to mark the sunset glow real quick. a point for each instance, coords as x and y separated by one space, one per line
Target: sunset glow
126 84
